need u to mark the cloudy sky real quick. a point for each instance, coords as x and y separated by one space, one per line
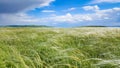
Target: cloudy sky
61 13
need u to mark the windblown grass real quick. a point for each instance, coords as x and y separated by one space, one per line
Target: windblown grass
60 48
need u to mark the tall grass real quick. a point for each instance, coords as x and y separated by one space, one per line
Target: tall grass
60 48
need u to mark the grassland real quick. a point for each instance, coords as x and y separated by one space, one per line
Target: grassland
60 47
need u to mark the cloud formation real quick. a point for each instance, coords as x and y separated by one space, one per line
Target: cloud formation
107 15
100 16
14 6
71 9
11 13
48 11
93 8
105 1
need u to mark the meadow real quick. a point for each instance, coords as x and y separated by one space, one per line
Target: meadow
85 47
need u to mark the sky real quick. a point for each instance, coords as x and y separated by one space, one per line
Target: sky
60 13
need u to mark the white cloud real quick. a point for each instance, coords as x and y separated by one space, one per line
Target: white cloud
93 8
100 15
20 18
107 15
14 6
105 1
47 11
12 12
70 9
64 18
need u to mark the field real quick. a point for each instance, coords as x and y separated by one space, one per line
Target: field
85 47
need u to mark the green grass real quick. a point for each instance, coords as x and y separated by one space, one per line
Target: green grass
60 48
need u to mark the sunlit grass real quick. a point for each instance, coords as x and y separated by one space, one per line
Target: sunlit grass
60 48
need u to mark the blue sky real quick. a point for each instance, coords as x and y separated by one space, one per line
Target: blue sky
61 13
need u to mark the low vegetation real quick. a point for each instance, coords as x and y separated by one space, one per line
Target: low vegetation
86 47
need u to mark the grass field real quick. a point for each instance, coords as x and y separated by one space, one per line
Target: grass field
84 47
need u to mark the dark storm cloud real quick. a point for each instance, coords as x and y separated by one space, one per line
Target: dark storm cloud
14 6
